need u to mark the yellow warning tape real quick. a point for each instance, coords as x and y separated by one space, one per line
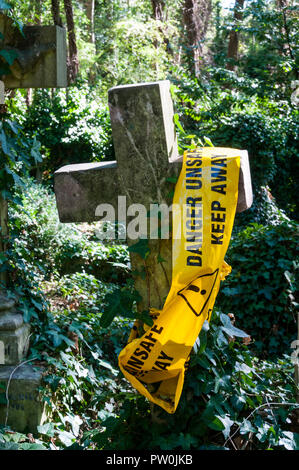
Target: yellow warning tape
204 203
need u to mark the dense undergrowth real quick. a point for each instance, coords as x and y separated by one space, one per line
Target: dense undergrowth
239 391
232 398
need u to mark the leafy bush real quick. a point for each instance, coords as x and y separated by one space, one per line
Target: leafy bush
73 126
228 109
264 211
42 244
39 253
230 400
18 152
257 290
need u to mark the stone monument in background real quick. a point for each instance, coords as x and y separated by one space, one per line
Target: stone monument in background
34 59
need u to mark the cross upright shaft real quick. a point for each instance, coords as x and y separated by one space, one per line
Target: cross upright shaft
144 139
146 155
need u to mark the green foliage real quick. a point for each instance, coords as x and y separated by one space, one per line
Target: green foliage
17 154
268 37
227 392
72 126
78 293
4 5
257 289
136 53
34 228
228 108
132 46
141 248
74 247
272 35
121 302
229 399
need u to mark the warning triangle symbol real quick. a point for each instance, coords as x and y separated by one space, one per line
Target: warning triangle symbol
197 293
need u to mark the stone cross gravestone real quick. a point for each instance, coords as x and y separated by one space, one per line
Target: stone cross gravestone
37 59
146 159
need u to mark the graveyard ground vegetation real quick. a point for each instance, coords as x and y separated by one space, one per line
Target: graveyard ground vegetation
234 82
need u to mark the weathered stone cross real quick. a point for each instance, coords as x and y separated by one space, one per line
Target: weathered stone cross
146 157
37 59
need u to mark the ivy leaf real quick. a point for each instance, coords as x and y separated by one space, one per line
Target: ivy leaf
75 421
186 441
160 259
37 305
242 367
267 291
227 423
119 303
141 247
27 313
4 70
46 429
216 424
20 25
109 313
4 5
33 446
9 56
170 194
230 329
289 440
9 446
4 145
145 318
238 402
35 151
246 427
172 179
177 122
106 365
13 125
3 399
220 338
66 438
208 141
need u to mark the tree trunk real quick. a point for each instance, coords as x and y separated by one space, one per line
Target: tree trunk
233 44
158 9
38 11
283 7
90 9
55 4
73 62
3 233
196 15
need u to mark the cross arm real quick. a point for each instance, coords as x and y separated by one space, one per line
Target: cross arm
80 188
245 196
